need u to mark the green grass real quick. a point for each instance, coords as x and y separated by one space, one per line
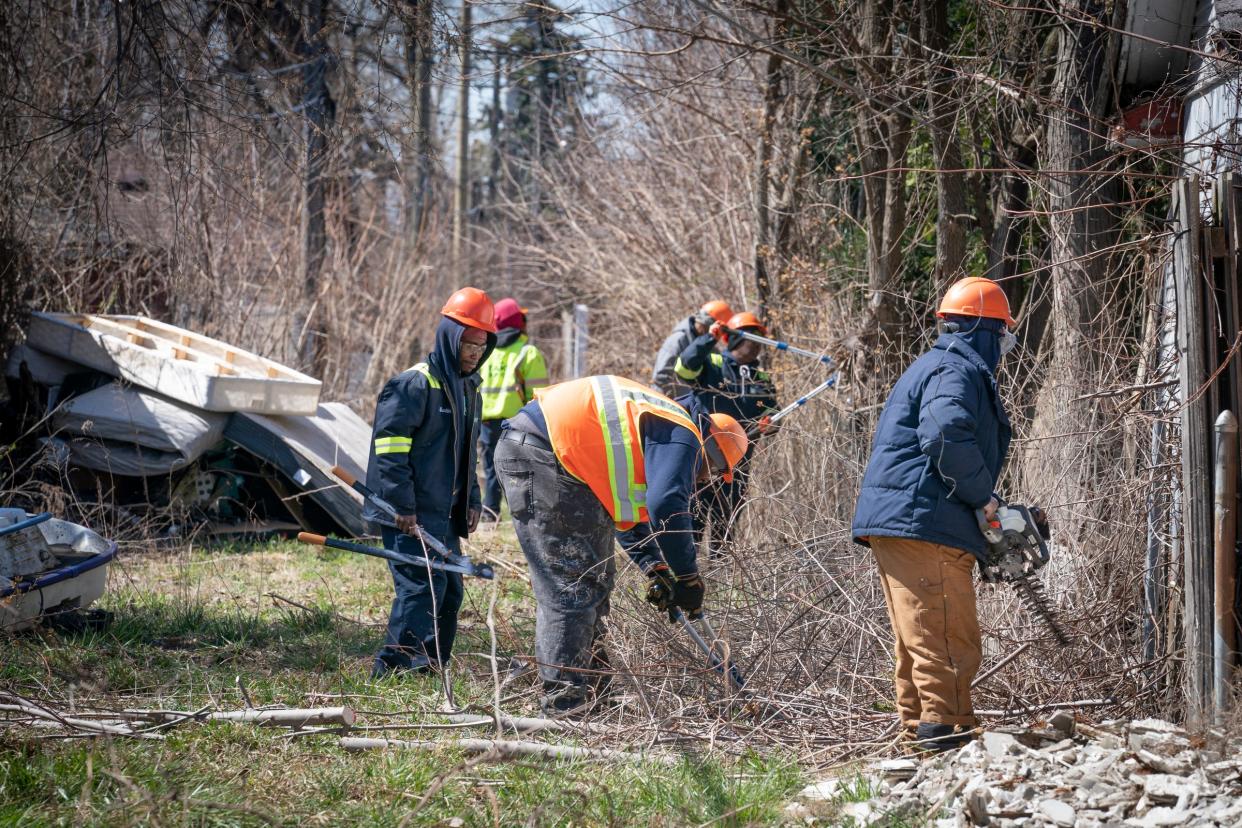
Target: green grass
189 626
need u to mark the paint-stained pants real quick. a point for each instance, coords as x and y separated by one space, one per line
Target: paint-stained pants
489 437
930 594
423 622
567 537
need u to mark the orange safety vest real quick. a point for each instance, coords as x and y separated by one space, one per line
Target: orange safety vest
593 428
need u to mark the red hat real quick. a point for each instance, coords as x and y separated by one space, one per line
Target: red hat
509 314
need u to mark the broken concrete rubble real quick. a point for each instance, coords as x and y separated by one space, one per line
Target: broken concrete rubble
1144 773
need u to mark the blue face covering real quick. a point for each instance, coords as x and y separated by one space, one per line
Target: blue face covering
981 334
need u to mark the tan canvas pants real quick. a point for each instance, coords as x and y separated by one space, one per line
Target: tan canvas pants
931 606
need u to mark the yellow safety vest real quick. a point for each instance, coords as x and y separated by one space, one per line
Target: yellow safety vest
511 376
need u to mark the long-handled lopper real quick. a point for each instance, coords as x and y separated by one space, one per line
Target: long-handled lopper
461 563
720 664
781 346
395 557
794 406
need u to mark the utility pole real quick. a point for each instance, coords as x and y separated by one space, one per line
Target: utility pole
461 201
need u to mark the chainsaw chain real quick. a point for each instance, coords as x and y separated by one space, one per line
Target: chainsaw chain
1031 592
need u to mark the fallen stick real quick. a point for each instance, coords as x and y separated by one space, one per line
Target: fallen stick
84 725
1037 708
505 749
523 724
291 717
999 665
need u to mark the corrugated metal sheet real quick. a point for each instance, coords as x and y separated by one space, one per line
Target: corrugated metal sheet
1148 65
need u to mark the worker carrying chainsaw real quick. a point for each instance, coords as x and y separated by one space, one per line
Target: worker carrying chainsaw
588 461
664 375
423 463
731 383
511 376
938 451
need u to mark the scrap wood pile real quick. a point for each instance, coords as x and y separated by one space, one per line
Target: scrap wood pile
1145 773
171 431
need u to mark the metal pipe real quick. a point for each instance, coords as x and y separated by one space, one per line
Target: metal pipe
25 524
1226 538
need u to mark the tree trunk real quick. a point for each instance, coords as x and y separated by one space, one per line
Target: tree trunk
943 108
1083 230
772 96
319 111
420 62
882 137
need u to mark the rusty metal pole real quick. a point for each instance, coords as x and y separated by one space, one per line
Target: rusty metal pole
1226 521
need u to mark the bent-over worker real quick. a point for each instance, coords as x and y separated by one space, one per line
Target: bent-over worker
587 459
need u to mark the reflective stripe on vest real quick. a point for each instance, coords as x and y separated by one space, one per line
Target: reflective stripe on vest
593 425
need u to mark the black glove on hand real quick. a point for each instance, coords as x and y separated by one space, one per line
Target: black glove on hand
688 595
661 587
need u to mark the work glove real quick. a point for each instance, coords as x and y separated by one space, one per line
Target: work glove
720 332
703 321
1041 523
669 593
407 524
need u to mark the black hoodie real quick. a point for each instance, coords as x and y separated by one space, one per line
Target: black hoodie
423 443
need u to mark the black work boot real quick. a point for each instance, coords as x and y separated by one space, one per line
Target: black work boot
938 738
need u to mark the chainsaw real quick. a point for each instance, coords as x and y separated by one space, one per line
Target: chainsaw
1018 548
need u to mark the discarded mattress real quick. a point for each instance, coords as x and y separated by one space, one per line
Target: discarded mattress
304 450
44 369
129 431
75 574
177 363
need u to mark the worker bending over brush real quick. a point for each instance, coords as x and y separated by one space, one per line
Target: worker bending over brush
423 463
511 376
588 458
664 375
939 447
730 383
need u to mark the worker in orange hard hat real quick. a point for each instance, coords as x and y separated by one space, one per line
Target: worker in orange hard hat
423 463
663 376
588 460
939 447
729 381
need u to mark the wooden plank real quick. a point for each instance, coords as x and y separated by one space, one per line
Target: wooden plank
1198 571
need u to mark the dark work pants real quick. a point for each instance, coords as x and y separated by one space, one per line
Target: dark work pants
489 436
423 622
567 537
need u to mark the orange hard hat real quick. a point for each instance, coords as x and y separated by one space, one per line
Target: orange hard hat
976 296
746 319
728 441
718 309
470 306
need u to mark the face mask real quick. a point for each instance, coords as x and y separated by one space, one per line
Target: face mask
1008 342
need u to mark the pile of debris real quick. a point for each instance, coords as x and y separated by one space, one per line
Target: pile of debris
1144 773
180 431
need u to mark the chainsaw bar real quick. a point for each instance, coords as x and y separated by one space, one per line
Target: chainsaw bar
1031 592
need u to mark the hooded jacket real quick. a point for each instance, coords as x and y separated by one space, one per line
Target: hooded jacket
663 376
423 442
723 384
939 446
